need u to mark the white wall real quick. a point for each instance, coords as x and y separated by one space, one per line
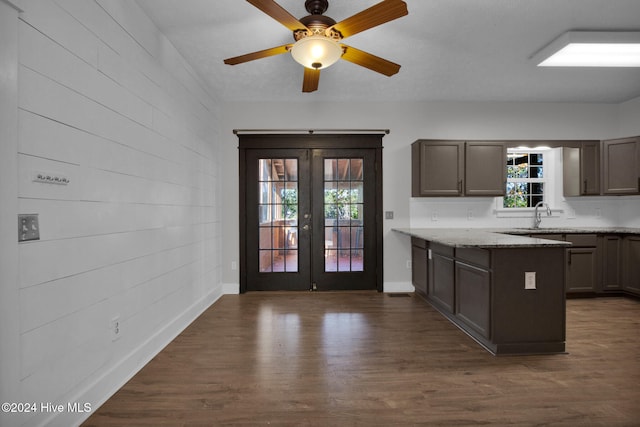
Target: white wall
9 314
105 100
408 122
629 118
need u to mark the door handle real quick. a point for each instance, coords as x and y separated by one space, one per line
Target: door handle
307 216
305 227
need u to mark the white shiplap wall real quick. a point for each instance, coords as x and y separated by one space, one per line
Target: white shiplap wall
105 100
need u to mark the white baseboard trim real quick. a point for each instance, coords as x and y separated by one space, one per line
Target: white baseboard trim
105 386
398 287
230 288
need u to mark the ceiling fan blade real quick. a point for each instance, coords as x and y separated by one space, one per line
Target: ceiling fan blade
311 80
367 60
258 55
378 14
278 13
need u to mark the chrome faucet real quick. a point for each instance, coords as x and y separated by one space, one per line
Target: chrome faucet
537 216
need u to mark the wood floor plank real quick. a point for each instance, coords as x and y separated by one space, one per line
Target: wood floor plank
363 358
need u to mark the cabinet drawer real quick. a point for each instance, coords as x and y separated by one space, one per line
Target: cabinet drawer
585 240
418 243
446 251
475 256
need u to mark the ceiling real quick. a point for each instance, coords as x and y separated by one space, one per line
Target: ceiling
450 50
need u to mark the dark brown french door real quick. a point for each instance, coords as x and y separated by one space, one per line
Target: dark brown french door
310 215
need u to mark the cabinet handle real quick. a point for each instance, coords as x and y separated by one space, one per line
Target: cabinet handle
585 187
569 258
460 186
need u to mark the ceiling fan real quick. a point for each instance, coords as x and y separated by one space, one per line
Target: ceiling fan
317 37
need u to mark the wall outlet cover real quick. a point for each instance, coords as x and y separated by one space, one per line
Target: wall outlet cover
530 280
115 328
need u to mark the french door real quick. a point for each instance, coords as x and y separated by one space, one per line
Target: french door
310 212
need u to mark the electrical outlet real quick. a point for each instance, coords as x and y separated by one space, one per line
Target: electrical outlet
234 265
388 215
530 280
114 327
434 216
470 215
409 264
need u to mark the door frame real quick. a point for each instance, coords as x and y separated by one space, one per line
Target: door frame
311 141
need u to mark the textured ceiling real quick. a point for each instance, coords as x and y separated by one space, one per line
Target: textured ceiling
450 50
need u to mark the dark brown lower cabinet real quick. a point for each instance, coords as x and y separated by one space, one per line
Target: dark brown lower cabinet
482 291
582 264
600 264
419 265
473 297
581 270
631 265
611 253
441 280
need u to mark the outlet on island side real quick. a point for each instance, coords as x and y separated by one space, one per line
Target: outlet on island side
530 280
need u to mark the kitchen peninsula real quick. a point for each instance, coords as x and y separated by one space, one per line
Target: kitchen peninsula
506 292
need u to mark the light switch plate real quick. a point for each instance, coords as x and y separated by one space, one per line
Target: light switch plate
388 215
28 227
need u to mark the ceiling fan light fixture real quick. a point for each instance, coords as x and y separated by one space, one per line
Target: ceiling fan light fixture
316 52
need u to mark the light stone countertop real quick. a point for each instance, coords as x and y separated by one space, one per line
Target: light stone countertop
566 230
477 238
504 238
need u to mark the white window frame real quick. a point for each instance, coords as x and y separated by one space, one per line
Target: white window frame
543 181
553 184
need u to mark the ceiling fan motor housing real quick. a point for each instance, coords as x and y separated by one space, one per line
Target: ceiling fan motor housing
316 7
316 22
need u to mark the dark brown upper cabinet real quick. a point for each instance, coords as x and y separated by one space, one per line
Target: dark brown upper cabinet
458 168
621 159
581 169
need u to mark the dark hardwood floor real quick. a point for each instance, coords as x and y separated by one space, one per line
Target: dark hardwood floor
365 358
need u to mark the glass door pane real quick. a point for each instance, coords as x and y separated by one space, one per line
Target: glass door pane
278 215
343 214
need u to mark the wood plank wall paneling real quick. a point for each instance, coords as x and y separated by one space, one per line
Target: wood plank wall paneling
9 291
105 100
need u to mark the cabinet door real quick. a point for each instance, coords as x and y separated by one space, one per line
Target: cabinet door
473 297
437 168
485 169
611 263
441 280
590 168
581 272
631 265
622 166
419 266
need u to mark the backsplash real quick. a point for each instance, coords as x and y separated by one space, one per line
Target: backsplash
476 212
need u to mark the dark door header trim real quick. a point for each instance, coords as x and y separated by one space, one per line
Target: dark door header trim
311 131
270 141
